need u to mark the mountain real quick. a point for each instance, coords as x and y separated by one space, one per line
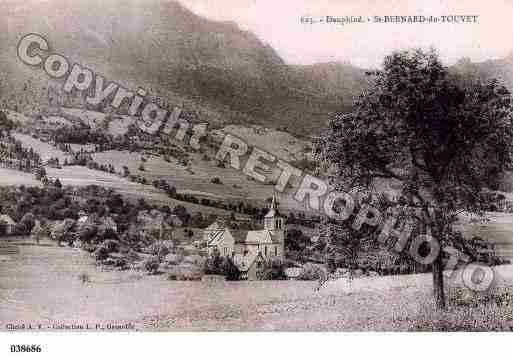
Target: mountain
219 70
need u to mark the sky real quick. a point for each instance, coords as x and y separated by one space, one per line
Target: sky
277 23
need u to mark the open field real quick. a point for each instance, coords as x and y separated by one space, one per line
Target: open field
9 177
196 178
17 117
40 285
44 149
83 176
278 143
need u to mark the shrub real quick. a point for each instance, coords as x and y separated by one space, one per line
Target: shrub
273 269
151 265
231 271
216 180
195 260
26 224
460 297
214 264
159 249
87 233
185 273
101 253
40 173
468 311
311 272
132 256
121 263
173 259
109 262
88 247
111 245
84 278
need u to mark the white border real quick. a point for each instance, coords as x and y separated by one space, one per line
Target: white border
256 345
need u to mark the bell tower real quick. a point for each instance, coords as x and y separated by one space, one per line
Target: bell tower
274 222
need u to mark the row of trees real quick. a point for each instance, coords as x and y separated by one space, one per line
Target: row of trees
14 155
81 135
237 207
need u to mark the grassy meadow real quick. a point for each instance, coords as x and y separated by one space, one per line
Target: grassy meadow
46 284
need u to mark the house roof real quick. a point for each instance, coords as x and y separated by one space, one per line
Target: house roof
7 219
109 222
90 219
216 226
253 237
83 219
153 219
174 220
215 237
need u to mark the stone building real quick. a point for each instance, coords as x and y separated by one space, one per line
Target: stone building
249 248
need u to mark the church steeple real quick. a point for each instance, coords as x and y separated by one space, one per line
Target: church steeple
273 202
273 220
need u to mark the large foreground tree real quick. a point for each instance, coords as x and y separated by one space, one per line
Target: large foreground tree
442 136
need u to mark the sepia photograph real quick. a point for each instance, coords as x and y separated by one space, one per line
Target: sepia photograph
255 166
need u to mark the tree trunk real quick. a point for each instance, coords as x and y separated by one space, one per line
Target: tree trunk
437 265
438 282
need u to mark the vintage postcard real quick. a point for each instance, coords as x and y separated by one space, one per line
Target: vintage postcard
244 165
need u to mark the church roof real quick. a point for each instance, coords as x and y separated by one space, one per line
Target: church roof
241 237
259 237
273 213
253 237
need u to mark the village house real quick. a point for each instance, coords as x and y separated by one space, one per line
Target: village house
249 249
155 224
9 224
94 219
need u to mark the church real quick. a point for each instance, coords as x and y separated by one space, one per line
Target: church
249 249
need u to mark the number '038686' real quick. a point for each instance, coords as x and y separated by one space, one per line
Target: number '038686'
26 348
